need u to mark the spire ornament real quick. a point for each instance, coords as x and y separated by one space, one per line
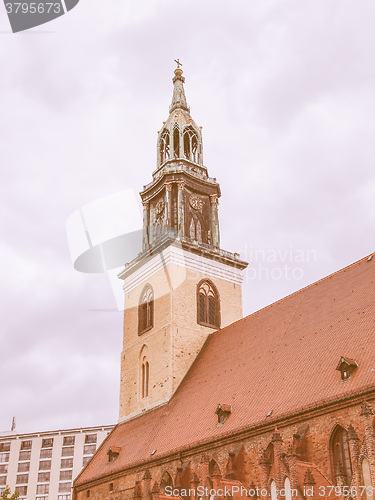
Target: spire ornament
179 98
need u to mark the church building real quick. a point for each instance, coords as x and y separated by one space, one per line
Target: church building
276 405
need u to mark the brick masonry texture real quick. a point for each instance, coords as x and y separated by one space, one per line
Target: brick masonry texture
282 358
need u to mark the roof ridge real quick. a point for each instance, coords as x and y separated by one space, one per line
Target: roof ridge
294 293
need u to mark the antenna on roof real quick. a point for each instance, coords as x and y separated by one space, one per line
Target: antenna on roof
13 428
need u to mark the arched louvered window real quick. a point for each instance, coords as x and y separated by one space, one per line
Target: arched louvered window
146 310
194 148
187 145
208 303
176 142
340 455
164 147
190 144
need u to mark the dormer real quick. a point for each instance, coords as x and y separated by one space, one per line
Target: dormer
223 412
113 453
346 366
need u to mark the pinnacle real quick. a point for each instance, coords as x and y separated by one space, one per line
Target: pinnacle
179 98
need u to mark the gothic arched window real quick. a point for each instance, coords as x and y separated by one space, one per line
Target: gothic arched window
166 480
340 455
213 468
144 372
146 310
164 147
208 304
187 145
191 144
287 489
176 142
369 491
273 491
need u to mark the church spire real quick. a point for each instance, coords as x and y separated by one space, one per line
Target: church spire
179 98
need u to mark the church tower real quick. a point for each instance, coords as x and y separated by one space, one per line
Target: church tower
182 287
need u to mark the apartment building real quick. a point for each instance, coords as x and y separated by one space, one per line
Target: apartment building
43 465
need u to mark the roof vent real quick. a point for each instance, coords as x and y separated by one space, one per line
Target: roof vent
369 258
346 366
223 412
113 453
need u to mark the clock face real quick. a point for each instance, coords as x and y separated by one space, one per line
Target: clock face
196 203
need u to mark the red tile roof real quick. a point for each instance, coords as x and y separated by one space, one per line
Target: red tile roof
282 358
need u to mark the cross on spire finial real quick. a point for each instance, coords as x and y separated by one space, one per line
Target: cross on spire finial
177 61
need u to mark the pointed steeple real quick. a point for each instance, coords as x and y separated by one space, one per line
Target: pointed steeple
179 98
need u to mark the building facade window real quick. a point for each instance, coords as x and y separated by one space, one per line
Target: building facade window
63 487
91 438
69 441
43 477
208 304
66 463
340 455
25 455
4 447
45 465
146 310
89 449
65 475
22 490
22 478
26 445
47 443
46 453
68 451
42 489
3 469
24 467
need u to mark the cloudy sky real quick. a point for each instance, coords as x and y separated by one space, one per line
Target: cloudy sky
285 92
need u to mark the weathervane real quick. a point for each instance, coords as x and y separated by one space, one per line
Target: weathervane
177 61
